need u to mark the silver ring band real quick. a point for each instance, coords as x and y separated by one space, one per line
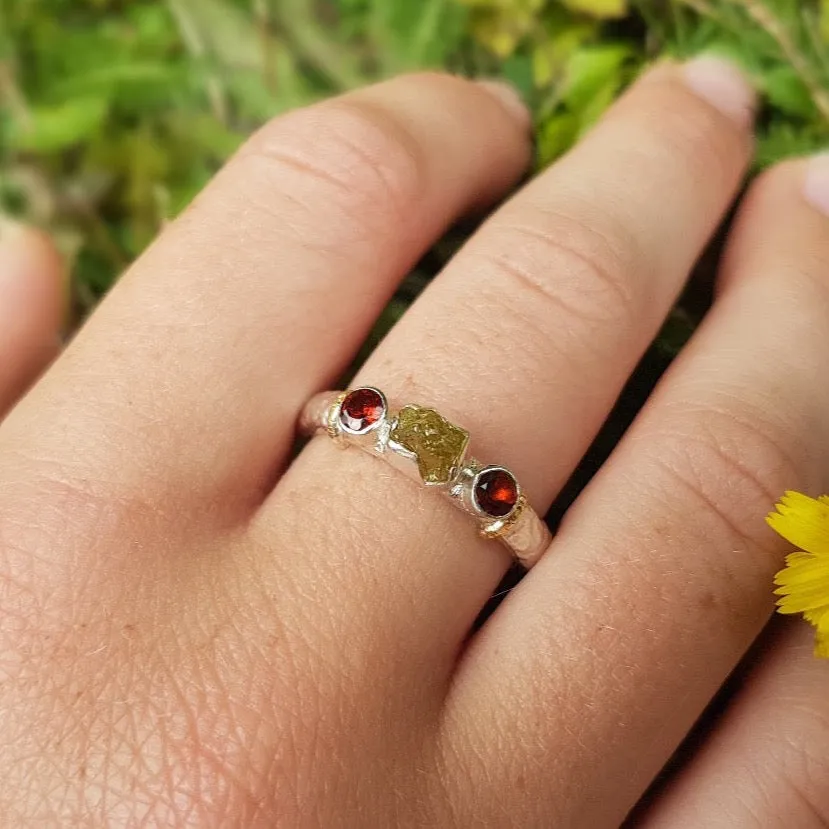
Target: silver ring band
426 447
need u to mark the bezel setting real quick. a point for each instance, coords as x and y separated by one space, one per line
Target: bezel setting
510 482
346 421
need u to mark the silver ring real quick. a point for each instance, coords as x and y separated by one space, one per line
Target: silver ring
426 447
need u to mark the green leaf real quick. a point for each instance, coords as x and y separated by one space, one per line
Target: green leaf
416 35
501 26
786 91
782 140
603 97
219 28
563 36
555 136
315 46
592 71
518 71
54 128
207 136
133 81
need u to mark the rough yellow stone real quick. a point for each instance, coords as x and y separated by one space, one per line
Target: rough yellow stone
438 444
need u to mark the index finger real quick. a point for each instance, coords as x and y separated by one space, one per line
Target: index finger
197 364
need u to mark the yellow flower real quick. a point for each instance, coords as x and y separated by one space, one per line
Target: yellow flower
803 585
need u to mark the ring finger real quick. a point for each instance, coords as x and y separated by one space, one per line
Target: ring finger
537 322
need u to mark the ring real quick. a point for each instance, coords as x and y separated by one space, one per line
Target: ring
428 448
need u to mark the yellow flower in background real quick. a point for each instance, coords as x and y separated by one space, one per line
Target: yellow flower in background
501 25
803 585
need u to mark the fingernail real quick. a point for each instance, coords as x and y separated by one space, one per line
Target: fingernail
14 251
723 85
23 256
510 99
15 264
816 183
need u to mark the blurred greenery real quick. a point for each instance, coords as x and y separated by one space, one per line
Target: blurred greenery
114 114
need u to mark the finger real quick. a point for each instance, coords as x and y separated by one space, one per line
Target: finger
600 661
197 364
31 308
525 340
766 763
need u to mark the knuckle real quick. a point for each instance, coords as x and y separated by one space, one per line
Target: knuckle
347 156
563 267
733 465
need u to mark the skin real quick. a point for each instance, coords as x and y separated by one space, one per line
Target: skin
196 630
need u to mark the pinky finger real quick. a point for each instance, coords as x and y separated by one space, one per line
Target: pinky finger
766 763
31 308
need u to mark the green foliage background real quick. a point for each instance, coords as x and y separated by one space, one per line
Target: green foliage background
113 114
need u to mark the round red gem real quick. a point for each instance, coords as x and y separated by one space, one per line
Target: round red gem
496 492
362 409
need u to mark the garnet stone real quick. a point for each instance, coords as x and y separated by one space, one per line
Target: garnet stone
361 410
496 492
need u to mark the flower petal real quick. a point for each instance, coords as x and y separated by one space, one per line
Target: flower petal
803 521
806 605
804 584
817 617
801 568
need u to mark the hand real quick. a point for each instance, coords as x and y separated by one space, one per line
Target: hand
197 631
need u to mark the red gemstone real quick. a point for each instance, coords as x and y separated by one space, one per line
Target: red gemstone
496 492
362 409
